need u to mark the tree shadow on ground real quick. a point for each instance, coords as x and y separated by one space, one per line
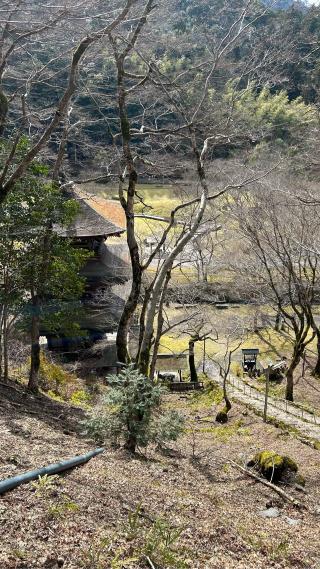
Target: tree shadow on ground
16 402
206 470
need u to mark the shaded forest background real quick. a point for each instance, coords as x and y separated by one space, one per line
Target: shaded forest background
282 58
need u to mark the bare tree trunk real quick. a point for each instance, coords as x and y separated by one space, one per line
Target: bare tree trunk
131 443
204 267
289 375
160 322
225 394
278 321
147 295
167 264
316 370
5 332
192 367
33 384
222 416
3 111
128 311
289 387
128 202
144 358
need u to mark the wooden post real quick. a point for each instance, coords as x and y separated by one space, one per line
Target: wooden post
266 395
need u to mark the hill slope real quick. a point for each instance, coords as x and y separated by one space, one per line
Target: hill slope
190 511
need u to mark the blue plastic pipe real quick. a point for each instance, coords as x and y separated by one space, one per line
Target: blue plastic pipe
51 469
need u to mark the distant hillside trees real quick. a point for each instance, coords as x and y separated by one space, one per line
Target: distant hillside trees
53 90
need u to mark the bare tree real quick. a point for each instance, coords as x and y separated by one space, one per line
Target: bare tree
192 130
280 231
21 35
230 343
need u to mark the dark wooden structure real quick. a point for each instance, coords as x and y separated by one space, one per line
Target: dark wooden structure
249 361
166 363
105 271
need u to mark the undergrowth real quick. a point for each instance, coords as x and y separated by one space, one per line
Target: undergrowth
138 543
62 385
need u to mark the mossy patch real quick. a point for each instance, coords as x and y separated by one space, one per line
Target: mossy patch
226 432
211 395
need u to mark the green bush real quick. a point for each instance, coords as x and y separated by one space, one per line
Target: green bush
131 413
166 427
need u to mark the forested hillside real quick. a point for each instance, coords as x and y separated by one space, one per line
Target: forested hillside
159 284
279 54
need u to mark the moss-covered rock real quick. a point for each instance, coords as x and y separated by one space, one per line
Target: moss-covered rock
274 466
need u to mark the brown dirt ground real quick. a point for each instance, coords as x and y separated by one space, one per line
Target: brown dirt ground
80 520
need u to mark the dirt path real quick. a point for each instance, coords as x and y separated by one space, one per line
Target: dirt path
307 423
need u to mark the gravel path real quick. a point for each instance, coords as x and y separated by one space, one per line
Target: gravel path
307 423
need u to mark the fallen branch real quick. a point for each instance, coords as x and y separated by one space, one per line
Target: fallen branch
273 487
150 562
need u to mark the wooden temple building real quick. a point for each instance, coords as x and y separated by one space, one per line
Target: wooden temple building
106 272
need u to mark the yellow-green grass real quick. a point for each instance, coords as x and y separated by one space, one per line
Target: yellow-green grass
186 275
162 199
148 227
159 205
272 345
171 344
